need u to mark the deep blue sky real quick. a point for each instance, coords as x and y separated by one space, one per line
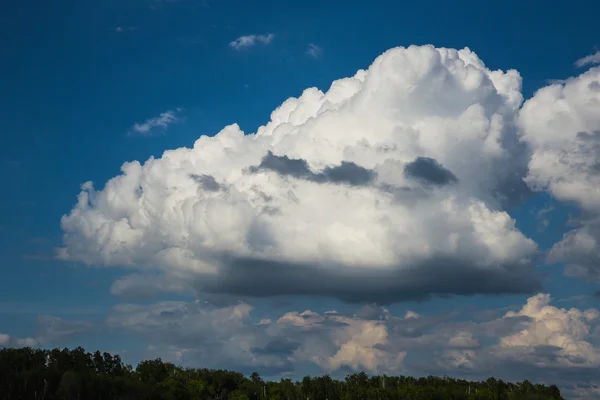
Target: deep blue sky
72 87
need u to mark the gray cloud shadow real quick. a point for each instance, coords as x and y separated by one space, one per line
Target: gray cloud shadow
437 278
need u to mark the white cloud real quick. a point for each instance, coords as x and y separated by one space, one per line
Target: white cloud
367 192
561 125
314 50
565 330
160 123
250 40
589 59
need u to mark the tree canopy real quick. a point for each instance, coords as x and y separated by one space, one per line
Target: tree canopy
63 374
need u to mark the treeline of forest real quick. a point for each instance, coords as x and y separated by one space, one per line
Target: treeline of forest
35 374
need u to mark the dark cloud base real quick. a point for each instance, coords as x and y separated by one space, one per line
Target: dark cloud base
439 278
429 171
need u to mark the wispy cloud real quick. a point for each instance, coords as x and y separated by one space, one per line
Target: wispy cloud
158 3
590 59
190 4
250 40
314 50
556 81
121 29
160 123
542 217
38 257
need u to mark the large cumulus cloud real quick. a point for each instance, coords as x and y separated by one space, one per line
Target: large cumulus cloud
392 185
561 125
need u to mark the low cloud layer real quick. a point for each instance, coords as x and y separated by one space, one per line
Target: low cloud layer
368 192
50 331
539 341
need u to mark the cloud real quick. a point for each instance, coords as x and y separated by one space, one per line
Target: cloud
195 3
250 40
562 332
54 329
160 123
341 194
8 341
542 217
346 173
188 332
226 337
314 50
539 341
589 59
37 257
146 286
561 125
551 345
51 330
207 182
429 171
121 29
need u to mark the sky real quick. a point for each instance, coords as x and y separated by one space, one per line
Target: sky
305 188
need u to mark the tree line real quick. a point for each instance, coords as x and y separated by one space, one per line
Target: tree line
63 374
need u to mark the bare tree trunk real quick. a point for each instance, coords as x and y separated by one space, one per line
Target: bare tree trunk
45 387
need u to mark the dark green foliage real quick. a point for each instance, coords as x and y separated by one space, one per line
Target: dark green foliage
30 374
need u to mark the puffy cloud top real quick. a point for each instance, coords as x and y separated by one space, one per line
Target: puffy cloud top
564 330
389 186
561 125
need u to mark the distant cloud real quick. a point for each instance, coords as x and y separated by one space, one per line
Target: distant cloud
121 29
590 59
53 329
556 81
50 330
37 257
194 4
542 217
314 50
250 40
161 122
156 3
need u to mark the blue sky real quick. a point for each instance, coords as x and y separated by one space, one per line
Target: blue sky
78 76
